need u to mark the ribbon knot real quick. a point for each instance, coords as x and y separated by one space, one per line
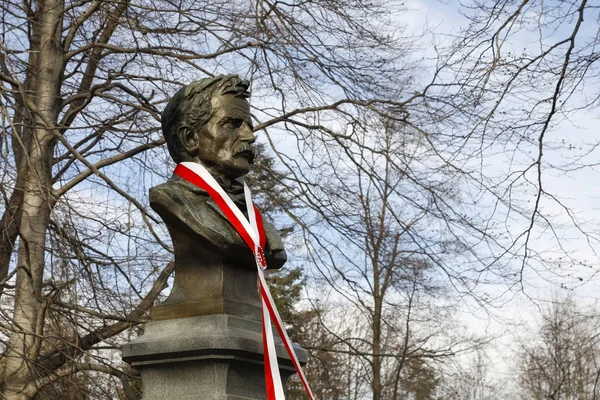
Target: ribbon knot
260 258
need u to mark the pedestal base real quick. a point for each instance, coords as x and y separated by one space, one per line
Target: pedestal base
212 357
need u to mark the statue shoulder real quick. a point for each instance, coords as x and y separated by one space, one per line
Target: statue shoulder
182 205
189 210
276 255
175 197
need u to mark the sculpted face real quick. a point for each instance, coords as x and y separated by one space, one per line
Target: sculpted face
225 141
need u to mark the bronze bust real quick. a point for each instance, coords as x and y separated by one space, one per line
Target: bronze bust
209 122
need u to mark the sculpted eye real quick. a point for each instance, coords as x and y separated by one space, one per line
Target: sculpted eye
233 123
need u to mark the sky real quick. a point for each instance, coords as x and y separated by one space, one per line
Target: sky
518 310
565 141
576 189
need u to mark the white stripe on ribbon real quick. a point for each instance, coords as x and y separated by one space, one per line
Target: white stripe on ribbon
272 354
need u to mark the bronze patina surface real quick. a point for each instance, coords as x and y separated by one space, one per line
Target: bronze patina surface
209 122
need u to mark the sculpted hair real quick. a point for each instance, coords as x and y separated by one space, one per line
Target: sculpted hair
191 106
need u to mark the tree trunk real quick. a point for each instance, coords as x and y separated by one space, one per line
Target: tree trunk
25 338
377 349
9 224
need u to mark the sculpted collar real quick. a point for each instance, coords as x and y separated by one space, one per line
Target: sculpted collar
236 192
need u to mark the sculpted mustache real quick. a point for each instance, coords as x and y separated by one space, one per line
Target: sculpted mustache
244 147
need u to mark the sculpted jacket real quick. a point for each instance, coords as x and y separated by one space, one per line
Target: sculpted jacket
200 229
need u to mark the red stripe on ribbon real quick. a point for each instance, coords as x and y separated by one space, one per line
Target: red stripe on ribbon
261 227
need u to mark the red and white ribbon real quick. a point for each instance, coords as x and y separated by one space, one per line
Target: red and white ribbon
252 232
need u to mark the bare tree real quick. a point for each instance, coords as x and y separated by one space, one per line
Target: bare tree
474 378
513 86
383 246
562 362
82 83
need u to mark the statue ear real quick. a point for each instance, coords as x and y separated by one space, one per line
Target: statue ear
187 140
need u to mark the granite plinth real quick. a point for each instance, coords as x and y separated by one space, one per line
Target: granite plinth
212 357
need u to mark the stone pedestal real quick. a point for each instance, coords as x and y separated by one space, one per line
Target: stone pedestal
211 357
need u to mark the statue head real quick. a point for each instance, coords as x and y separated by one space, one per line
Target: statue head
208 121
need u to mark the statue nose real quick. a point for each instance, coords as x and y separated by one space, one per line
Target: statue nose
247 135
